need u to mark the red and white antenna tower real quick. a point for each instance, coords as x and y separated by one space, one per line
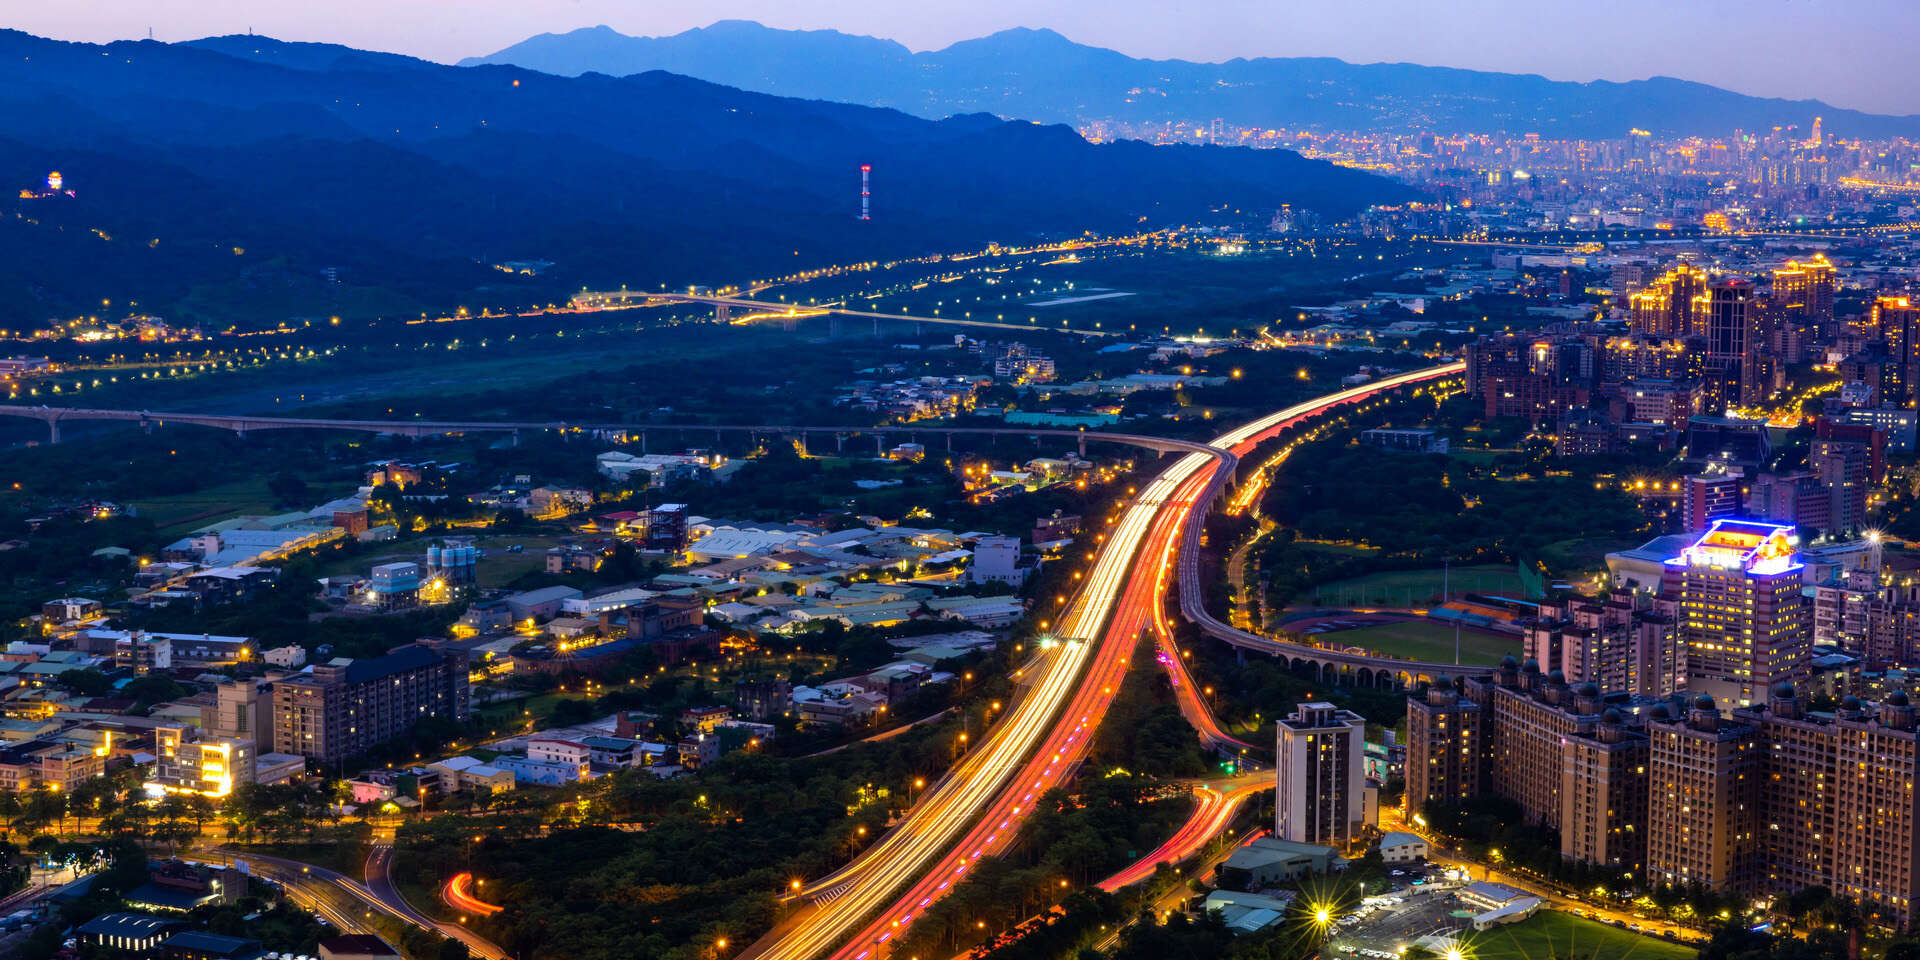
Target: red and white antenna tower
866 194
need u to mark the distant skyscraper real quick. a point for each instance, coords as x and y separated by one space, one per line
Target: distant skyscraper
1744 624
1815 140
1319 774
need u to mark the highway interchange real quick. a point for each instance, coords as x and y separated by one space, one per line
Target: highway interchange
1045 735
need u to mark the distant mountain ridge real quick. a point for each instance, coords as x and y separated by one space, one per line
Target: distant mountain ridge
1042 76
243 154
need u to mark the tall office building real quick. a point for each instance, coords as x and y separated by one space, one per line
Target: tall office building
1735 332
346 707
1744 624
1319 775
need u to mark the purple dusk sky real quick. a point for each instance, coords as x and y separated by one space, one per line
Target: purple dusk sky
1851 53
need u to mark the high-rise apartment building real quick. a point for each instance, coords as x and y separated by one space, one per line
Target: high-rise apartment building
1667 308
1744 624
1703 797
1319 775
242 710
1710 496
1629 644
1802 306
1764 800
1896 323
1860 615
345 707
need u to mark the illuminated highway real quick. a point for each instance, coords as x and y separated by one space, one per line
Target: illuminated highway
921 849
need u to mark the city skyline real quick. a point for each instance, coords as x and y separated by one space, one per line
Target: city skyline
1792 51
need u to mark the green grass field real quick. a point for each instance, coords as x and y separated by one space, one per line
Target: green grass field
1413 588
1425 640
188 511
1558 936
497 567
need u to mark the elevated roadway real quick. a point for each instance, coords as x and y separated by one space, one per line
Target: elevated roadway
1334 665
770 310
1164 523
244 424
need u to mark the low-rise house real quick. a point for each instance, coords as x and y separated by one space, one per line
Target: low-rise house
697 752
1402 847
615 753
570 752
469 773
527 770
70 610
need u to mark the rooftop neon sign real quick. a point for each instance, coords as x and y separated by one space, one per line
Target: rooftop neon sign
1750 545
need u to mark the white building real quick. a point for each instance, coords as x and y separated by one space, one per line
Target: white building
572 753
1402 847
1320 775
996 560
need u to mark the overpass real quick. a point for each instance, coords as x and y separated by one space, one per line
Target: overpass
243 424
1332 666
723 308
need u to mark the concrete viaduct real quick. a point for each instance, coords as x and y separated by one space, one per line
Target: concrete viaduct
1331 666
244 424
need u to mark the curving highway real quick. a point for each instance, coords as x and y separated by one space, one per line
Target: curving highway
1192 596
1037 745
1215 806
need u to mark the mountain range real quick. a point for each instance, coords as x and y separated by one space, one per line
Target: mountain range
1042 76
235 169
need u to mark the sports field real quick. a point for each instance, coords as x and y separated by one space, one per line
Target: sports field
1413 588
1550 935
1426 640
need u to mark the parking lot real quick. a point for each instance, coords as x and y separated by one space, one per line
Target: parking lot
1385 924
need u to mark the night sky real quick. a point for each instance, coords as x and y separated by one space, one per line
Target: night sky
1851 53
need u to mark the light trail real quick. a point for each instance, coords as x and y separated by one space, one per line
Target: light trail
1212 811
459 897
1118 588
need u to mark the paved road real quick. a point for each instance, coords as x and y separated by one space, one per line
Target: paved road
379 884
343 902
